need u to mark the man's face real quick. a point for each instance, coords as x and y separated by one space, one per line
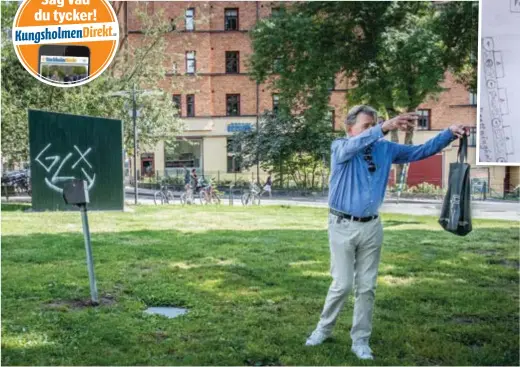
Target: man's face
363 121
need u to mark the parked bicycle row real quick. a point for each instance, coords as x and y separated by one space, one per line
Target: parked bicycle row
205 192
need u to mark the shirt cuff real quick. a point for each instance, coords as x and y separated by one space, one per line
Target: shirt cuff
449 134
377 131
384 132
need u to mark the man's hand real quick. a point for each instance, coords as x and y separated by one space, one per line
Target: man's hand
459 130
402 122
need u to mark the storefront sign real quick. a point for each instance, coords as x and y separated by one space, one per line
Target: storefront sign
235 127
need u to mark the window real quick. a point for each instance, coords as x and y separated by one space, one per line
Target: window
424 119
174 68
233 163
275 11
472 138
233 104
190 105
232 61
231 19
473 99
176 99
190 24
276 102
190 62
332 83
185 153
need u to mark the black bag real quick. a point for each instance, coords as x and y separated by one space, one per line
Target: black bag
456 209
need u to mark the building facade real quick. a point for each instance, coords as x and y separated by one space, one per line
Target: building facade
210 48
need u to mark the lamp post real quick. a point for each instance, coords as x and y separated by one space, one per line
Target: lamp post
133 95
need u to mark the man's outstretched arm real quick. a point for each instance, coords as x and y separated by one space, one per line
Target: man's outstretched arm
402 153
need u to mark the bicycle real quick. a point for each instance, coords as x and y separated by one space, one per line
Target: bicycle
252 196
187 196
163 196
208 194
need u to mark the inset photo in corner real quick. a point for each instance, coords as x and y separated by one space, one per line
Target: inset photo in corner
64 64
499 83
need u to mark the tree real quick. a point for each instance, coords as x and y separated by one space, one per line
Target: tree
392 53
300 50
457 25
142 64
406 71
287 145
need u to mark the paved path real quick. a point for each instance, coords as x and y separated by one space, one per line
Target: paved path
480 209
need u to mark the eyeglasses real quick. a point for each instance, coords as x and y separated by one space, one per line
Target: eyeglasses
368 157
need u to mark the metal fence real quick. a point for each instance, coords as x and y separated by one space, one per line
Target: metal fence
483 185
176 177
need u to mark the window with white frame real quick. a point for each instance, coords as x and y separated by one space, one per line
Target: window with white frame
190 23
473 99
231 19
424 122
190 62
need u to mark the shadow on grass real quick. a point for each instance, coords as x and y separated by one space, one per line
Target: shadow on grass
13 207
253 296
394 223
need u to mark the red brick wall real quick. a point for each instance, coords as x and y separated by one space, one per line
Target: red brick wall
233 41
451 107
210 48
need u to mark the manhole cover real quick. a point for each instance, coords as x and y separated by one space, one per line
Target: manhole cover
169 312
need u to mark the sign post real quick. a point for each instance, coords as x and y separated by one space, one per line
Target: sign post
135 114
75 192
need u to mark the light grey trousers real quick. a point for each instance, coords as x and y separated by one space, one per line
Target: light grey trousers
355 250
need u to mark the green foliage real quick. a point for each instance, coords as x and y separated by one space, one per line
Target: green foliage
457 25
312 42
425 188
395 52
407 69
287 145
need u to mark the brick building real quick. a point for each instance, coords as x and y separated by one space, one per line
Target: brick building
210 48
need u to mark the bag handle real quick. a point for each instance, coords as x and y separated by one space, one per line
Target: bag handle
462 154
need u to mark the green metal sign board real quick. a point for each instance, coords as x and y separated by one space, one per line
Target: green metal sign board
63 147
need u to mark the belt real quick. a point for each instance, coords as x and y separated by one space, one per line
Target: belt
351 217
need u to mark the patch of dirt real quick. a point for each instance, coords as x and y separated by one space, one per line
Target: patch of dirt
465 320
489 252
106 300
505 262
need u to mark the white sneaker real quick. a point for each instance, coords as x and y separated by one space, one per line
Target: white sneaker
362 351
317 337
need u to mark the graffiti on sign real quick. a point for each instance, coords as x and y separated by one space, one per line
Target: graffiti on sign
81 162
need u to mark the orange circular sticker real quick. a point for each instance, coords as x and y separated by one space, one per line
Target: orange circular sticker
65 43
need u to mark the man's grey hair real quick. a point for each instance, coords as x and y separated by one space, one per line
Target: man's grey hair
356 110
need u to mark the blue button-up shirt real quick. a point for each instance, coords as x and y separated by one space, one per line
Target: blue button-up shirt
356 191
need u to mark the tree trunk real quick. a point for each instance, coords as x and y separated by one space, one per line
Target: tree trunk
408 140
313 174
281 172
394 137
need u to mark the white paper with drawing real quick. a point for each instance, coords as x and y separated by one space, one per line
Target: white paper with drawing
499 128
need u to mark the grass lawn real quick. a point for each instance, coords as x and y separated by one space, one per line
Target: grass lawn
254 281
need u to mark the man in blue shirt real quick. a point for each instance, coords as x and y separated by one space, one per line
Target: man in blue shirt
360 166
